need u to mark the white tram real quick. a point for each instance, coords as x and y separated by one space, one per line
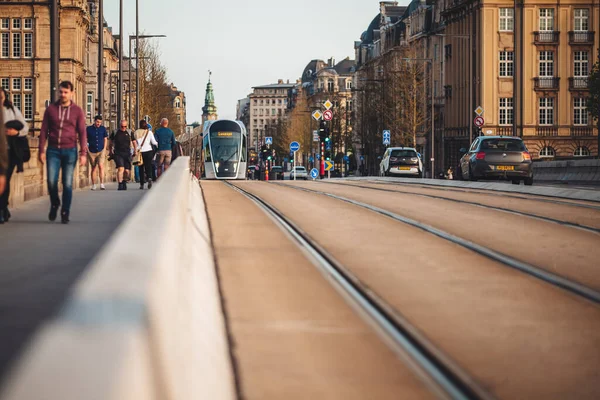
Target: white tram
225 149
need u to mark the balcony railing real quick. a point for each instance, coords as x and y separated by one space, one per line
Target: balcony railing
546 37
504 131
578 83
581 37
546 131
579 131
546 83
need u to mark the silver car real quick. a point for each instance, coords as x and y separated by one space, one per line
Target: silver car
299 172
401 161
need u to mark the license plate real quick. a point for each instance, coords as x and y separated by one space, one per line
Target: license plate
404 168
505 168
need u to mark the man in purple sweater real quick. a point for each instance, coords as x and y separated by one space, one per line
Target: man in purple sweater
63 123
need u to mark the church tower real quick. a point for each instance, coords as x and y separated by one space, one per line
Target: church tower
209 109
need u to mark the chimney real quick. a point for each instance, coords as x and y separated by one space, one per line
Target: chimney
280 82
288 81
332 62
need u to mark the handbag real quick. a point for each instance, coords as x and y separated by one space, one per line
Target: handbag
137 158
15 124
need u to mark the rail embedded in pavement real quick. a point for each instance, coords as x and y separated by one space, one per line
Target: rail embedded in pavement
549 277
449 379
145 321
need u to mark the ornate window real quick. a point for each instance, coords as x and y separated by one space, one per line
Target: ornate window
546 19
547 152
580 67
580 112
581 19
506 19
546 64
506 111
177 102
582 151
506 63
546 110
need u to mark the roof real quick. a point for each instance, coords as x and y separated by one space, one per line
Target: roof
368 36
346 67
276 86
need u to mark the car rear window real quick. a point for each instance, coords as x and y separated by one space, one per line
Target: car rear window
503 145
300 169
403 153
276 168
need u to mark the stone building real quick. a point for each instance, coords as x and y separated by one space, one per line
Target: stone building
268 103
179 109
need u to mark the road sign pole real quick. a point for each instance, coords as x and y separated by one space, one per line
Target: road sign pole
294 165
322 161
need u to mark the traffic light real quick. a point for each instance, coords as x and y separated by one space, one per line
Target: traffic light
322 131
269 154
328 156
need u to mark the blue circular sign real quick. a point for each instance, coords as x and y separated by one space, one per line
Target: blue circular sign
294 146
314 173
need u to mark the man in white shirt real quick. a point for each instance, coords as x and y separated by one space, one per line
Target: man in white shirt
145 139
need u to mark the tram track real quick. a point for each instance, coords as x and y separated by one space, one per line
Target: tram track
450 380
496 193
553 279
477 204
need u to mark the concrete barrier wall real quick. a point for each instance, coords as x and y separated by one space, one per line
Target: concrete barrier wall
31 184
145 321
568 171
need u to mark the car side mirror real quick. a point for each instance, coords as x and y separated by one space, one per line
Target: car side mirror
463 150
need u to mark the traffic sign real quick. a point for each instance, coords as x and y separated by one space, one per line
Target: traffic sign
315 136
386 133
294 146
479 111
387 137
317 115
314 173
328 145
268 140
346 159
478 121
328 165
328 104
318 156
310 159
328 115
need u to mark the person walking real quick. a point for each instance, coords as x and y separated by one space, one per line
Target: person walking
145 139
3 155
16 130
121 144
63 124
166 141
97 137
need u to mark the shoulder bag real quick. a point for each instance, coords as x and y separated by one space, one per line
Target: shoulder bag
137 158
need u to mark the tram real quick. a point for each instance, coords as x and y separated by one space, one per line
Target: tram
225 148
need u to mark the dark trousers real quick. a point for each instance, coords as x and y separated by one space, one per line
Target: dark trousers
146 169
9 172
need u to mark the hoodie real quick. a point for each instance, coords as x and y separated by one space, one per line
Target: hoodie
61 126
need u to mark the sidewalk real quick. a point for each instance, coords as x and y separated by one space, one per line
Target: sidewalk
40 260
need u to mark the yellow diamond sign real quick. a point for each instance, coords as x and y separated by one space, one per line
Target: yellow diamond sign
328 104
317 115
479 111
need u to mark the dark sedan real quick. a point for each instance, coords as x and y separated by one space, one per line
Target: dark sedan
497 157
276 173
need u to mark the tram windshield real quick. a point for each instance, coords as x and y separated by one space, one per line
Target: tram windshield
225 146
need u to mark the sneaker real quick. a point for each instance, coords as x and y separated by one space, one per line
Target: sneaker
94 187
120 186
141 186
124 185
150 185
64 217
102 187
53 213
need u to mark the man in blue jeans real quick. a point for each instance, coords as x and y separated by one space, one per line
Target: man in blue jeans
63 124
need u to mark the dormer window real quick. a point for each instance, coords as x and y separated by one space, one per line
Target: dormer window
177 102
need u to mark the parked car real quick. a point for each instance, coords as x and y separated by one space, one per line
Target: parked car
300 173
401 161
276 172
497 157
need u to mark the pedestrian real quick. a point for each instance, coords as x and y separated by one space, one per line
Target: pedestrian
63 124
121 144
15 130
166 141
145 140
3 155
97 137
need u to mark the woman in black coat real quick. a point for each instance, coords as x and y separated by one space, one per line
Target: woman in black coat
16 130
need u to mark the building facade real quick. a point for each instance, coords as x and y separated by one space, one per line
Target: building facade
178 103
209 111
267 105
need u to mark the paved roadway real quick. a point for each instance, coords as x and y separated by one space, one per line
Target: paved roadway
492 316
41 260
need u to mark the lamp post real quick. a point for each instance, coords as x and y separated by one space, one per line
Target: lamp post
120 85
100 95
470 107
137 63
430 61
54 49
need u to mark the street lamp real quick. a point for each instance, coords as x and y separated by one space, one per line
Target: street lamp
470 108
430 61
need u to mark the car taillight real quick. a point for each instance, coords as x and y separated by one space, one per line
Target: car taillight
480 156
526 156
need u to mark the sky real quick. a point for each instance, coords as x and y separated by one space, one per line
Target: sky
244 43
